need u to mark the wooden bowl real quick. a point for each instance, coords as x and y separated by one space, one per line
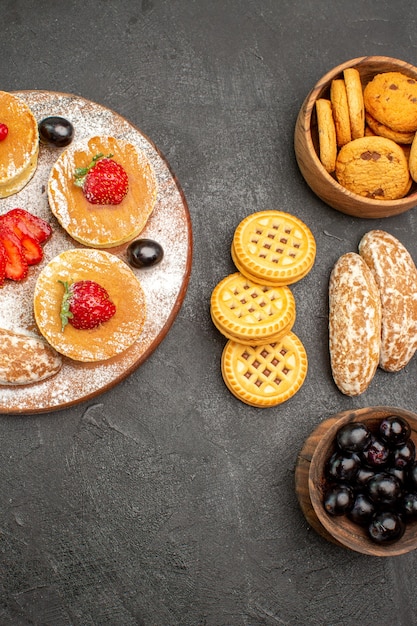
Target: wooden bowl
310 484
319 180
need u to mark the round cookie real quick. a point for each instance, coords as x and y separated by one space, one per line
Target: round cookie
354 93
412 159
327 134
391 98
111 337
102 226
244 310
384 131
373 167
340 107
265 375
19 150
273 248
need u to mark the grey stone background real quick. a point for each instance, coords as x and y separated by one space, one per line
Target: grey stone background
166 501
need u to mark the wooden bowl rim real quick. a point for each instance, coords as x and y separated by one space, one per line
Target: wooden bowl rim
307 111
354 541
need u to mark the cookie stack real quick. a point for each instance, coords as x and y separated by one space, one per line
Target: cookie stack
367 134
263 363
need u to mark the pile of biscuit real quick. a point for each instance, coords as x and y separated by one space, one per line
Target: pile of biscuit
367 135
263 362
372 311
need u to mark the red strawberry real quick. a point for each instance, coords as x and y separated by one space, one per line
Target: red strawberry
85 305
16 264
31 249
103 181
2 264
3 131
28 223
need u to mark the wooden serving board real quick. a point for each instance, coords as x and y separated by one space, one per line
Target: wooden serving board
164 284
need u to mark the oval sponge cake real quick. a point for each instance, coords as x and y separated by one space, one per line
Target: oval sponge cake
108 339
19 150
102 226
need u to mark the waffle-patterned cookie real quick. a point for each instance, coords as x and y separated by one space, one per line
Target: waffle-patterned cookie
273 248
246 311
265 375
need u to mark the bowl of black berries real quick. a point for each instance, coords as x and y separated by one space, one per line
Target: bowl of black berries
356 480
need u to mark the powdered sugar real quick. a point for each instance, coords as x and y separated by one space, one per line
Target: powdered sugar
164 285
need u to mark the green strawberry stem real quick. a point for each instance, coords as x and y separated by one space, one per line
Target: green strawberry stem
65 313
80 173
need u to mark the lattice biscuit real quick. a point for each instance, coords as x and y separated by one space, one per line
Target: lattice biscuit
273 247
265 375
243 309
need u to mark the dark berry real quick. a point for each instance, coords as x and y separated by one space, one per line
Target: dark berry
343 467
386 527
384 489
405 455
338 499
412 477
363 475
56 130
4 131
362 510
376 453
397 472
144 253
353 437
409 505
394 430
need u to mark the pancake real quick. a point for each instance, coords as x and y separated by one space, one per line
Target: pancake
102 226
111 337
19 150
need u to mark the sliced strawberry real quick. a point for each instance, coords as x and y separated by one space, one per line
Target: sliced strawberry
33 225
32 250
16 264
2 264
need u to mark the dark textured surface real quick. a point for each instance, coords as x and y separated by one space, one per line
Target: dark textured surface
167 501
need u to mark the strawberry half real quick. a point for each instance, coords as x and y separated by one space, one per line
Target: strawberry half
32 225
16 264
85 305
103 181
